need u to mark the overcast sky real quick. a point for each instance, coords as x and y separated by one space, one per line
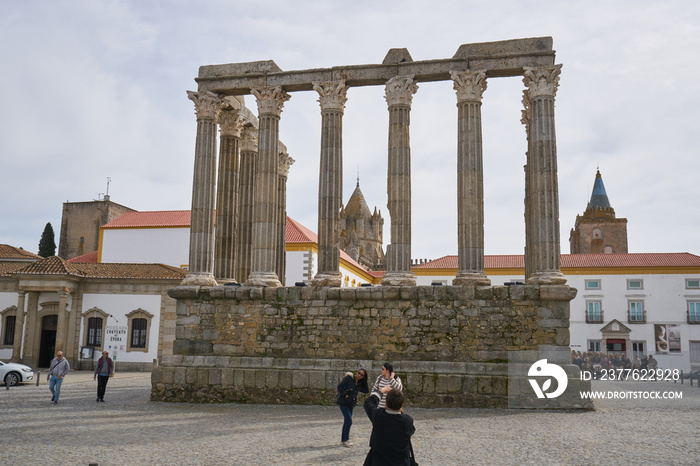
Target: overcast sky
97 89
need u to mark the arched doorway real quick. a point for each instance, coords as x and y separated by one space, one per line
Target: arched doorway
48 339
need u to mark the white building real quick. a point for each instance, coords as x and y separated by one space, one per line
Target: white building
49 304
163 237
634 303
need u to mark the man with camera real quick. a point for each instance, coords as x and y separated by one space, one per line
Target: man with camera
390 441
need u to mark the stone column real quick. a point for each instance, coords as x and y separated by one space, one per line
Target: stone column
399 94
19 327
270 101
542 201
207 105
332 97
62 321
470 86
73 332
281 260
244 245
30 330
227 197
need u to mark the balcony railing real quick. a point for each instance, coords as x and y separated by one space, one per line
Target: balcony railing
594 317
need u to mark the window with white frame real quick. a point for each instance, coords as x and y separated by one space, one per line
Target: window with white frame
635 284
636 311
692 283
592 284
694 312
694 347
638 349
594 312
595 345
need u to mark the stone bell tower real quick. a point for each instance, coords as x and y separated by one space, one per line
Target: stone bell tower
361 231
597 231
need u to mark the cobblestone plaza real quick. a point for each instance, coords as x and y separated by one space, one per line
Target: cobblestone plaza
130 429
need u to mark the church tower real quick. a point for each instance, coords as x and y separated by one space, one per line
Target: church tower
597 230
362 232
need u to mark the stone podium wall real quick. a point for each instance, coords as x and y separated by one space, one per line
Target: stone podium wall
449 344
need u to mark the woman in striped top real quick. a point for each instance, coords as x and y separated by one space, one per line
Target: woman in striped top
387 378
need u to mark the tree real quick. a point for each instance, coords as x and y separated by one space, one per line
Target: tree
47 245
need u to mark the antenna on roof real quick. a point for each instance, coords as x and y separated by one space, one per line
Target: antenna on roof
358 175
106 198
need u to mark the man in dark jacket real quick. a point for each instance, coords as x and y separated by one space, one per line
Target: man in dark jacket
391 429
103 371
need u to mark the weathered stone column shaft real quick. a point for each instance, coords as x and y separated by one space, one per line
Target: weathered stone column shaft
470 189
207 104
245 225
399 190
399 94
332 100
285 162
470 86
542 229
227 197
265 197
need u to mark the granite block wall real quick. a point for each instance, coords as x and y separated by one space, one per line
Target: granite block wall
449 344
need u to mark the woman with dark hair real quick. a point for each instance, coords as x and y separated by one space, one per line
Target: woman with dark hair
348 389
386 378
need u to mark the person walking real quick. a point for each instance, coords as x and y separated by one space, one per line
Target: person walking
390 440
57 371
348 390
103 371
386 379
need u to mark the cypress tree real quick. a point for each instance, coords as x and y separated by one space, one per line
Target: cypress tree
47 245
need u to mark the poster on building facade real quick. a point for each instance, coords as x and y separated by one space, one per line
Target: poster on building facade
661 338
667 338
116 334
674 338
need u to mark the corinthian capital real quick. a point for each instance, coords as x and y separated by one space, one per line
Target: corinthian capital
249 139
400 90
470 85
543 80
270 100
332 95
525 114
285 161
229 121
206 104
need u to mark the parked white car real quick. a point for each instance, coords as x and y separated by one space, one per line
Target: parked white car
12 373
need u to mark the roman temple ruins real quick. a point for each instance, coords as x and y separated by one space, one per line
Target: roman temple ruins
453 345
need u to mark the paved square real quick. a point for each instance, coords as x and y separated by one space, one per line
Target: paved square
130 429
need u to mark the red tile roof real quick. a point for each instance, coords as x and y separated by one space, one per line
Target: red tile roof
8 252
6 268
153 219
680 259
89 258
57 266
672 259
298 233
